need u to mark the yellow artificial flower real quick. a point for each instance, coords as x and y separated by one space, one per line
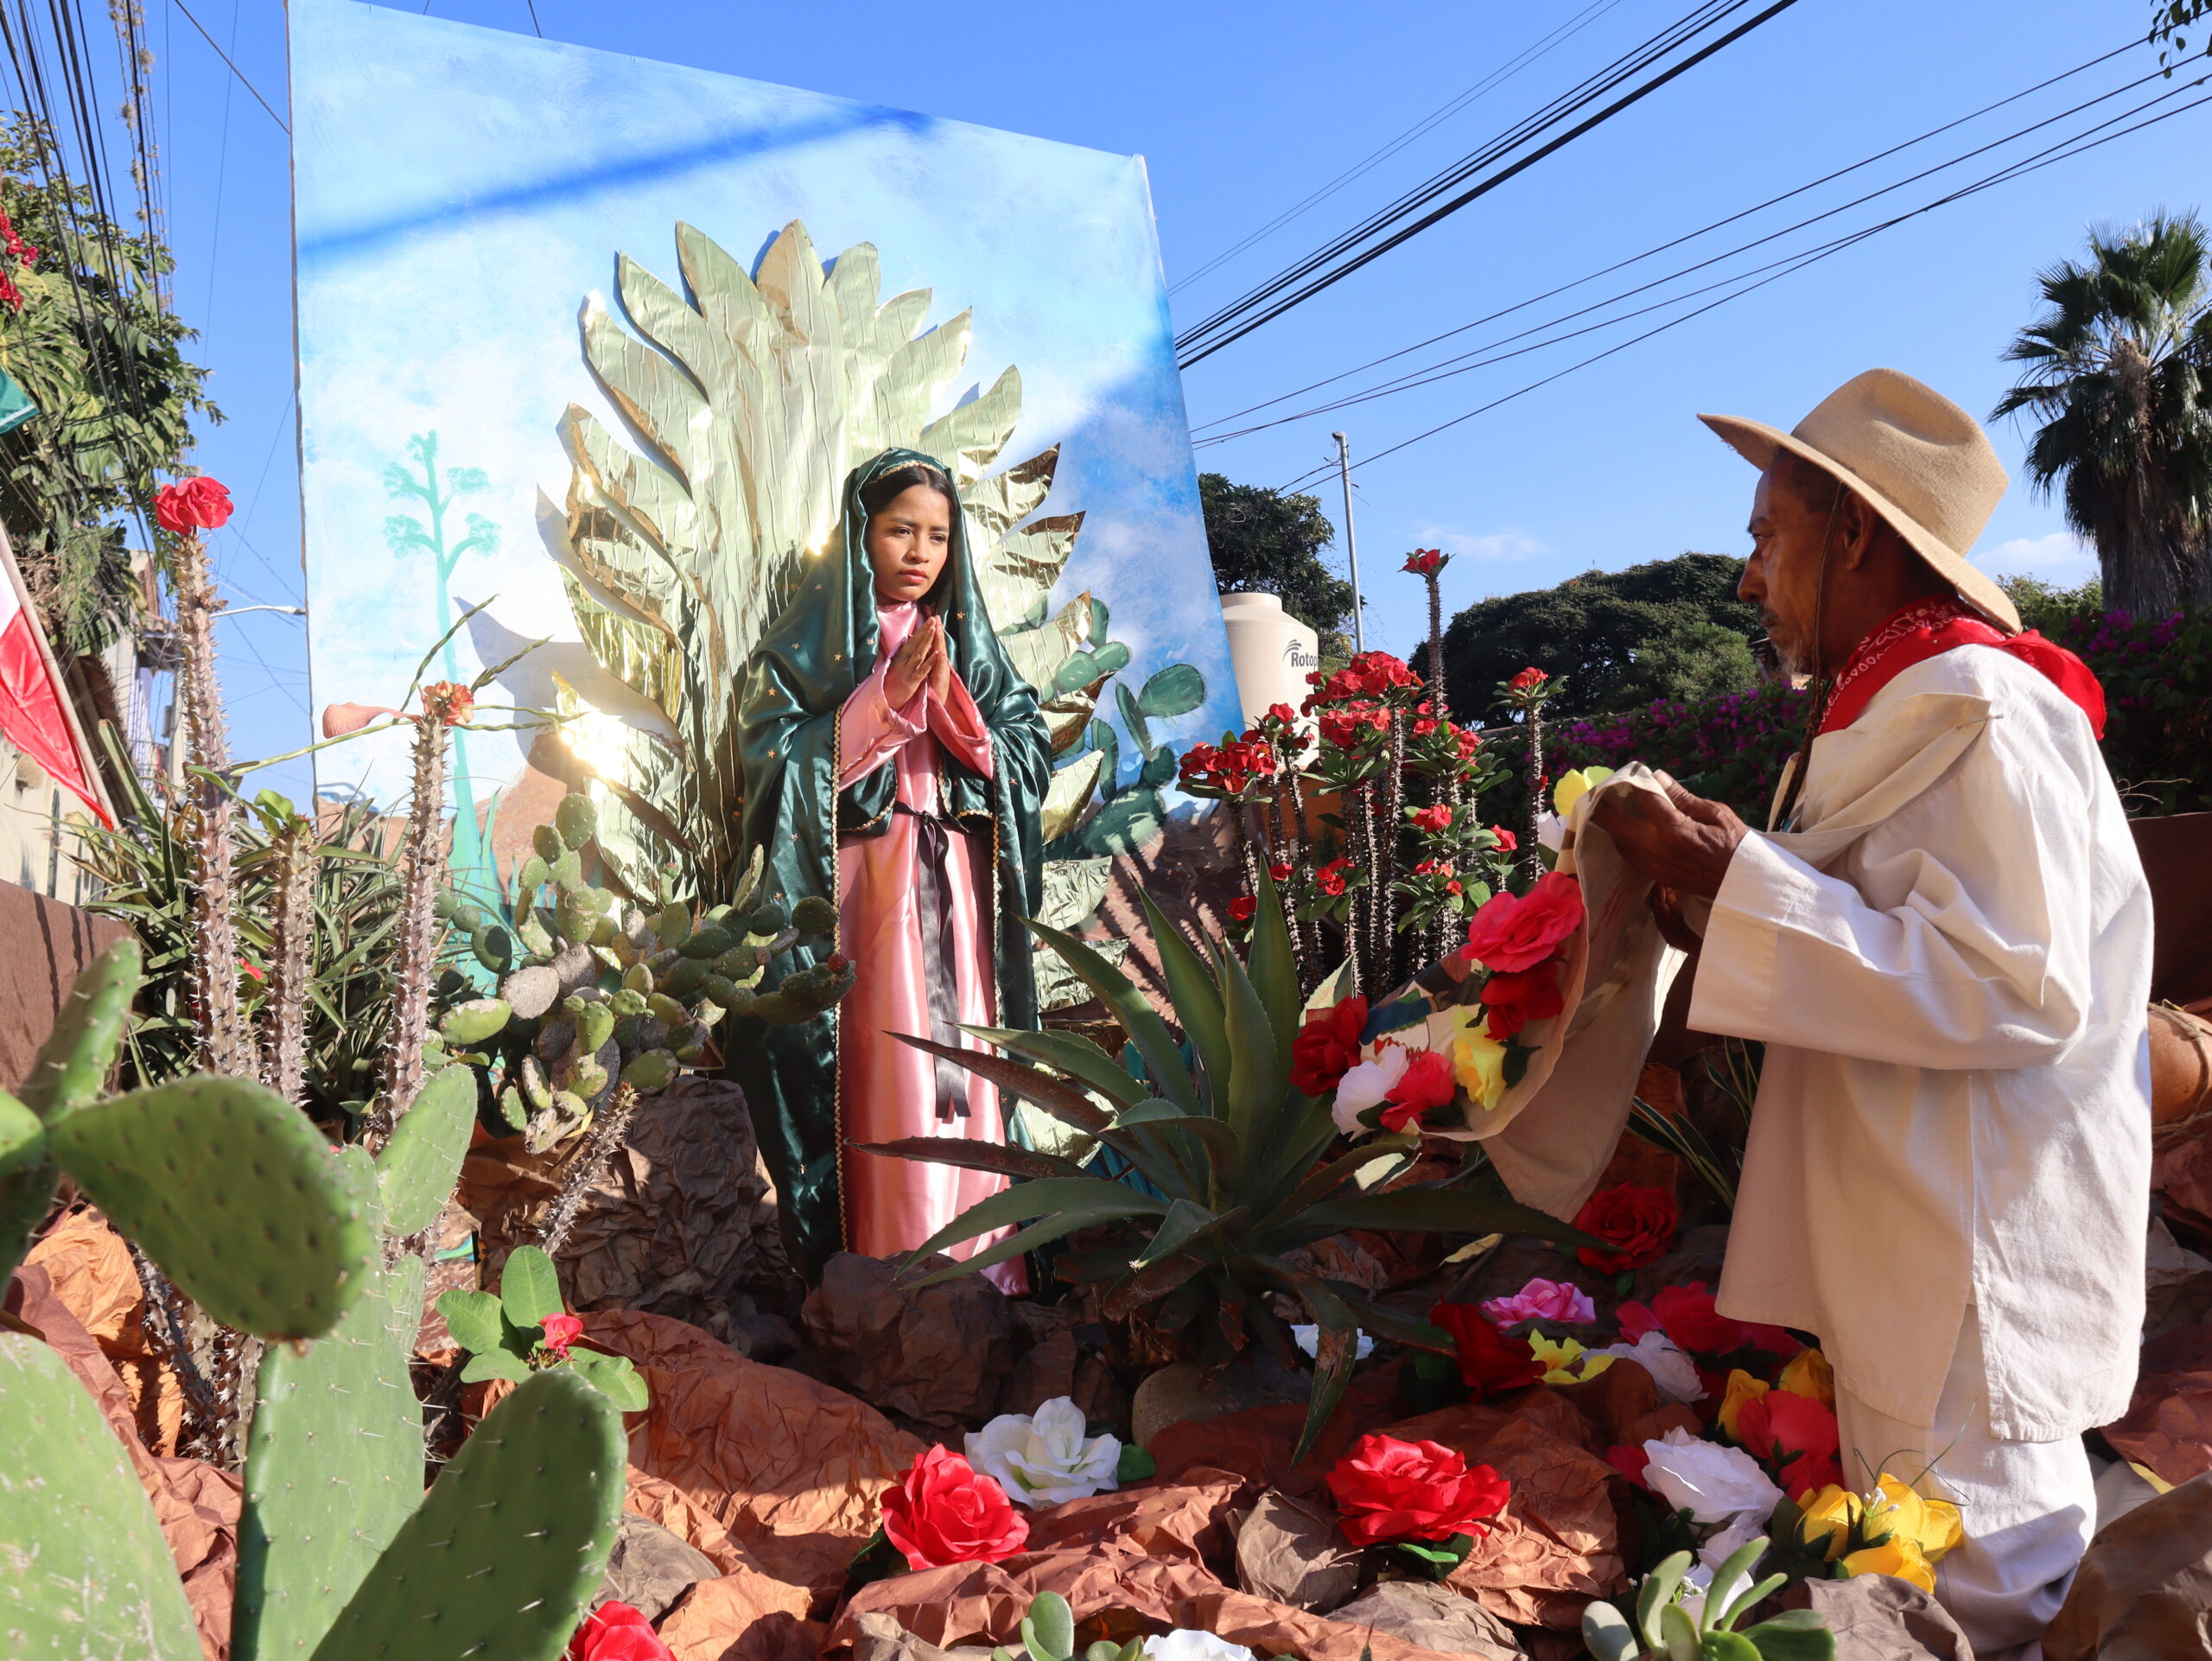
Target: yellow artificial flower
1933 1526
1809 1374
1565 1361
1829 1515
1742 1389
1572 786
1478 1060
1895 1556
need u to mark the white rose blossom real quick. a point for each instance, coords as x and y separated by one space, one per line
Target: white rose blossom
1307 1337
1724 1544
1043 1458
1185 1644
1672 1371
1367 1084
1712 1483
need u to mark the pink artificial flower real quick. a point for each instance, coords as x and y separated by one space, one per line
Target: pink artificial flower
1543 1300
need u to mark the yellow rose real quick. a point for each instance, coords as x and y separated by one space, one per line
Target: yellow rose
1931 1526
1896 1556
1478 1060
1574 786
1829 1515
1808 1374
1565 1361
1742 1389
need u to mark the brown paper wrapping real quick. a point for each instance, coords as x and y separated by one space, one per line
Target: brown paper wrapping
2145 1586
93 1274
2168 1429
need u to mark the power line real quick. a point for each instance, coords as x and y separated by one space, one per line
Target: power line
232 67
1235 321
532 4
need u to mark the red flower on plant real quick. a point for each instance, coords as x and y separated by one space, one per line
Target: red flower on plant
1513 1001
1280 871
560 1331
1515 931
1469 741
1424 562
1388 1489
1242 907
943 1512
1327 1046
1526 678
447 702
1282 712
1441 868
1329 878
1438 818
615 1632
192 505
1639 1222
1350 725
1794 1436
1426 1083
1490 1361
1507 842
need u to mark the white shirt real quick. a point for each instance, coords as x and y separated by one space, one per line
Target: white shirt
1949 964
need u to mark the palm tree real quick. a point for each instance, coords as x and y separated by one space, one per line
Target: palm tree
2120 373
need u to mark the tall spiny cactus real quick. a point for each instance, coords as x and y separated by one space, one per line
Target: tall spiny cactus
284 1015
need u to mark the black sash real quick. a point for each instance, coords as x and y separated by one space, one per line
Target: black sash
934 840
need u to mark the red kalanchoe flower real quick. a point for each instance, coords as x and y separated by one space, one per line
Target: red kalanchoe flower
1639 1222
1792 1435
1280 871
1438 818
1515 1000
1327 1046
560 1331
944 1511
1526 678
1424 562
1242 907
1329 878
1507 842
1515 931
1490 1361
615 1632
1282 712
1427 1082
1423 728
192 505
1388 1489
1441 868
1469 741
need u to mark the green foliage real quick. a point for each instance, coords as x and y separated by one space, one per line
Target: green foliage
2158 679
1667 628
79 1051
2047 608
103 360
415 1172
1662 1628
1263 541
504 1332
2118 376
1048 1634
100 1581
1235 1161
2168 19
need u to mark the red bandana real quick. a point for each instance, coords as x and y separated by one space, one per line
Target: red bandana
1927 627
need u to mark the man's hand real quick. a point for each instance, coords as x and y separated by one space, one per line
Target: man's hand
1683 842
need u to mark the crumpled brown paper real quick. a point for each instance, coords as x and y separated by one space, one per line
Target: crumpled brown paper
1622 1407
1558 1544
2177 1289
1880 1617
741 1617
1292 1552
682 1223
93 1274
2169 1423
878 1637
2181 1176
790 1468
1256 1442
650 1567
2145 1589
935 1354
1433 1617
196 1504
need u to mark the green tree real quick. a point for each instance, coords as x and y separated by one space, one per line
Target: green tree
1667 628
1264 542
2168 19
2119 373
83 331
2046 608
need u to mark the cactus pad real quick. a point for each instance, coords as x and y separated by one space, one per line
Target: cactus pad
100 1582
333 1466
576 819
474 1022
501 1555
26 1180
74 1063
233 1193
421 1161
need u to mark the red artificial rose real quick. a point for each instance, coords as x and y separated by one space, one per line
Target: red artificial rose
1636 1320
1639 1222
615 1632
1686 1315
1279 872
1426 1083
1513 1001
1433 819
191 505
1792 1435
1526 678
1515 931
1242 907
1507 842
943 1512
1490 1361
1392 1490
561 1330
1629 1462
1327 1046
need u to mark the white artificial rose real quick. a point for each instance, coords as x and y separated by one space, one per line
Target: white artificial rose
1043 1458
1308 1338
1712 1483
1723 1544
1185 1644
1672 1371
1366 1084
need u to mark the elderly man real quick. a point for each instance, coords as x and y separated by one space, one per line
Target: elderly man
1944 941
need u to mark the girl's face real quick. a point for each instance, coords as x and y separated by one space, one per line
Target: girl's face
907 543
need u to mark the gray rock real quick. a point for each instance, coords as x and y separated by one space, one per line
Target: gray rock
651 1568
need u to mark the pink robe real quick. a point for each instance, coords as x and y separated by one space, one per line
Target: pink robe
886 1089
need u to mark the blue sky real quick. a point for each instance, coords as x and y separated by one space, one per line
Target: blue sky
1241 111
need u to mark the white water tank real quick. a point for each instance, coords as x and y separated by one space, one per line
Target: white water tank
1271 652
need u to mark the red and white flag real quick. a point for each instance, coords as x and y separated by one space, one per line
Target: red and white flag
35 711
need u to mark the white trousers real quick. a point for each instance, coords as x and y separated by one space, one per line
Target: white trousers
2029 1507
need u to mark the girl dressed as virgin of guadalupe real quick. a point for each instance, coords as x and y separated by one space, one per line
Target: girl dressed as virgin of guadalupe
895 760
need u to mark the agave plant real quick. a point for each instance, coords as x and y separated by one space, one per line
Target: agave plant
1662 1627
1240 1166
756 394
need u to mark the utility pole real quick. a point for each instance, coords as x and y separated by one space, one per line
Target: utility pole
1352 543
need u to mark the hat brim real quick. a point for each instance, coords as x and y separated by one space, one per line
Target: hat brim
1756 443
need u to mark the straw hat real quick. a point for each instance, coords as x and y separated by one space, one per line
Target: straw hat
1919 460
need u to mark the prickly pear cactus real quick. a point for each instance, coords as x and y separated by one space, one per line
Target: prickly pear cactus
26 1180
497 1561
594 992
84 1569
74 1063
233 1192
417 1170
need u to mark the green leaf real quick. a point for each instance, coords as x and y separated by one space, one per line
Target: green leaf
1163 1061
1111 659
614 1376
473 1318
1196 1000
1159 768
1175 690
1728 1646
1658 1593
1055 1227
1070 1052
1048 1630
1004 1159
1136 1465
1607 1634
1257 1086
493 1363
1799 1635
417 1171
1183 1221
27 1177
1275 971
1026 1201
529 1290
1058 1098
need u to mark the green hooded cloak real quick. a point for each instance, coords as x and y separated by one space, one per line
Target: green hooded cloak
820 648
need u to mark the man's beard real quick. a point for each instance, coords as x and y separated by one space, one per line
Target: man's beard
1791 653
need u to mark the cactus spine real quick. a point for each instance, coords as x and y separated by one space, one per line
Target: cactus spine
416 950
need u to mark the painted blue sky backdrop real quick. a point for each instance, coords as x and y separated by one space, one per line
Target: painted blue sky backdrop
461 190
